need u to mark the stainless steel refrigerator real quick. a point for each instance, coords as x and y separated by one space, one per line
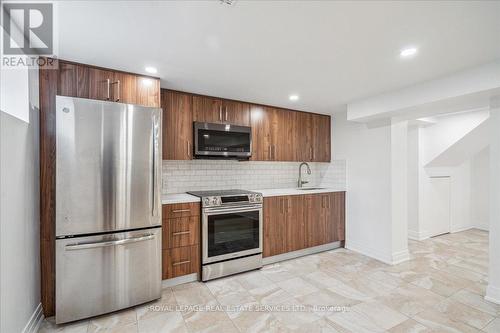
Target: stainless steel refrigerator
108 206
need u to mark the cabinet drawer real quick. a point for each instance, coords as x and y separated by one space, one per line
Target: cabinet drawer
182 231
181 261
181 210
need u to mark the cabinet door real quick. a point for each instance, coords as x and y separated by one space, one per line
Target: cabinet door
274 226
207 109
263 122
336 217
73 80
124 88
148 91
283 136
100 84
177 125
321 138
180 261
236 113
316 219
302 137
296 227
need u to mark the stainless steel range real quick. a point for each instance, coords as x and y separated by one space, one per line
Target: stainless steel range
231 232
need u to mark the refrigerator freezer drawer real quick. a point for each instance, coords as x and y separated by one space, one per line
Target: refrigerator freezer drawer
105 273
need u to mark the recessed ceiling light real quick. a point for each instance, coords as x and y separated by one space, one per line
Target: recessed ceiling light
151 70
408 52
293 97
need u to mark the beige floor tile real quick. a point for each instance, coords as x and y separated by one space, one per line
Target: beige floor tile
294 315
439 322
197 294
197 320
277 273
253 279
167 322
130 328
270 294
49 326
235 298
410 326
319 326
382 315
256 322
224 286
410 299
353 322
166 303
493 326
459 312
111 321
476 301
297 287
325 302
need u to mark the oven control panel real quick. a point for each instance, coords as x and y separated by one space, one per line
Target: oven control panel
215 201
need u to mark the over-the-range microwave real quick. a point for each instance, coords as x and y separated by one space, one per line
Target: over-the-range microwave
222 141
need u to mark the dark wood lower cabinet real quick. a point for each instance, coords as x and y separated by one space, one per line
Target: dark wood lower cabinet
297 222
180 261
274 226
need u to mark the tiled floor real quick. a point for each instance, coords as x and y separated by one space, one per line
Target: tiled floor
440 289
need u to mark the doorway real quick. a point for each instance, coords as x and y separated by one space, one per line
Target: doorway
438 211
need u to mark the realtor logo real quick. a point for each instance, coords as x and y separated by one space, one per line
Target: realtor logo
27 28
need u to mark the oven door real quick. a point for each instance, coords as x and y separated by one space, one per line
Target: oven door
222 140
231 232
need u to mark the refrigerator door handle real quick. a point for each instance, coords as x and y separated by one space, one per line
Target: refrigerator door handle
155 166
82 246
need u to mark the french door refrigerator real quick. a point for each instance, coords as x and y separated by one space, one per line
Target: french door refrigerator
108 206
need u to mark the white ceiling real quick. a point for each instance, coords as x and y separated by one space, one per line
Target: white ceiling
328 52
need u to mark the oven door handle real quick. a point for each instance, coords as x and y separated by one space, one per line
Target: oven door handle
217 210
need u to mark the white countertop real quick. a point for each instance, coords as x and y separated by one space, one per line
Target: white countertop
274 192
184 197
178 198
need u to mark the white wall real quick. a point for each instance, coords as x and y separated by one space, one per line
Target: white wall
19 215
480 189
413 181
368 162
432 142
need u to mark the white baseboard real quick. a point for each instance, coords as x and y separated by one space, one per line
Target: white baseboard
418 235
492 294
179 280
389 259
34 322
484 228
401 256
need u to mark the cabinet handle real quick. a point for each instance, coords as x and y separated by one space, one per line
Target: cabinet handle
287 205
181 210
274 152
310 153
281 205
117 82
220 113
181 262
188 150
269 152
108 85
226 112
181 233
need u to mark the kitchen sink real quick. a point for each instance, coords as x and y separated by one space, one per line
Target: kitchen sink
310 188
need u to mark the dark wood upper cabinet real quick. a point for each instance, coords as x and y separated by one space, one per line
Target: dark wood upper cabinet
321 141
148 91
84 81
236 113
220 111
177 125
264 121
207 109
124 88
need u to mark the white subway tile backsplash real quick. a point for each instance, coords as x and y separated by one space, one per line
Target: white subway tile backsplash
195 175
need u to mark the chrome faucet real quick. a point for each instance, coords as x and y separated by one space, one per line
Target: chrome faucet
302 182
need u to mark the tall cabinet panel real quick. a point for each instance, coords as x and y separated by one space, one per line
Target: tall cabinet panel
177 125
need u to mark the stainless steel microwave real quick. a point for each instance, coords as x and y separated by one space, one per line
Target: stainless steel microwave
222 141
